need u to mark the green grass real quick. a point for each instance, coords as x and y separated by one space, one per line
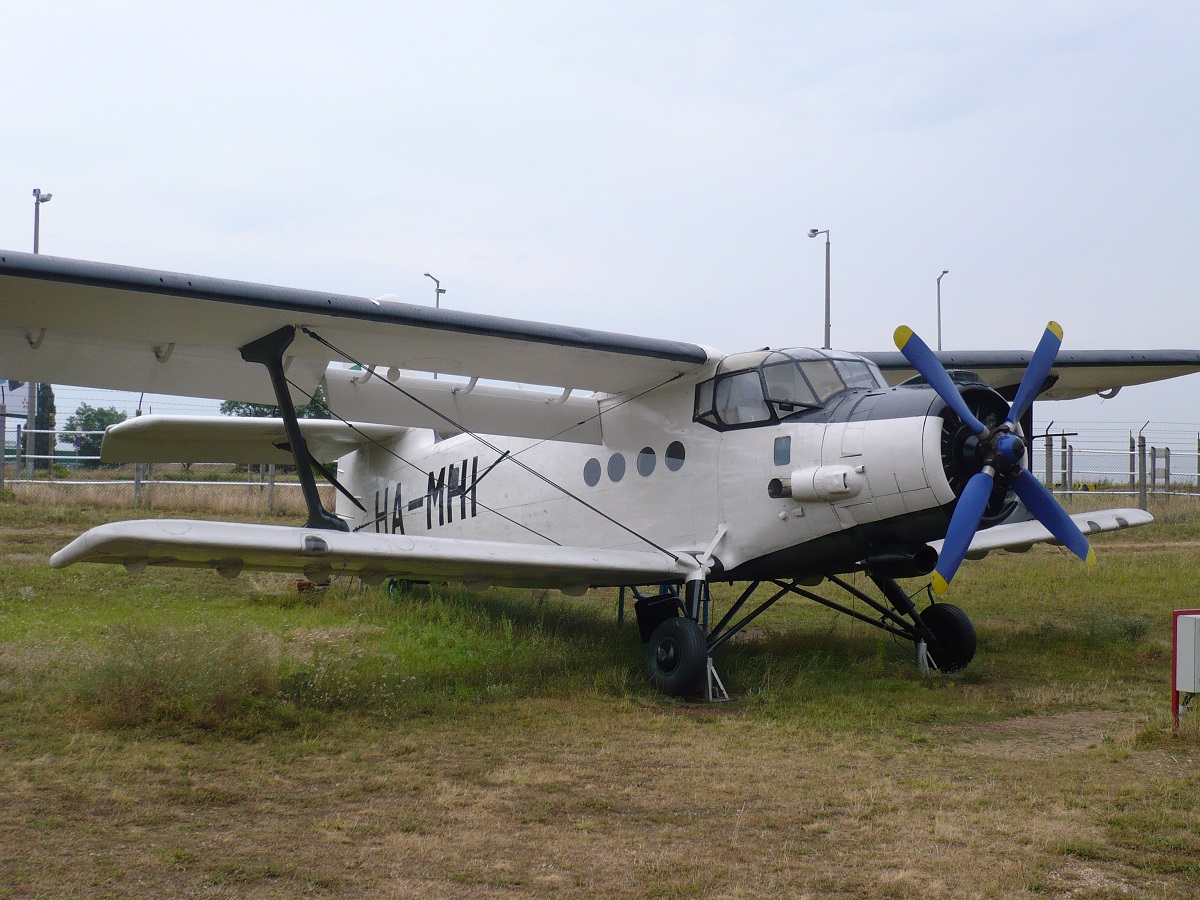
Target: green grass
178 733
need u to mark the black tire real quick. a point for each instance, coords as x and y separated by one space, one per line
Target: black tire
677 657
953 645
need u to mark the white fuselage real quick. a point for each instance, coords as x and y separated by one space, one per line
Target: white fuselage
672 482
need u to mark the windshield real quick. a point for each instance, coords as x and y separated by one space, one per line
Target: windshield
773 385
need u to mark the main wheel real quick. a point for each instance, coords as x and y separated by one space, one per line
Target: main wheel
953 645
677 657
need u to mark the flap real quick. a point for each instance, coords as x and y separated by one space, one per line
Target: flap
405 399
231 548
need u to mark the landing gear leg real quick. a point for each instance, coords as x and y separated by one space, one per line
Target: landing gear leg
673 624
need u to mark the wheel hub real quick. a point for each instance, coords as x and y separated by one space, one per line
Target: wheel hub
666 655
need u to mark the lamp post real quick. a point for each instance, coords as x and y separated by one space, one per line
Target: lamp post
945 272
812 233
31 421
38 199
438 290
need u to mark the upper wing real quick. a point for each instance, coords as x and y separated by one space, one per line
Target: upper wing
1020 536
230 548
101 325
1078 373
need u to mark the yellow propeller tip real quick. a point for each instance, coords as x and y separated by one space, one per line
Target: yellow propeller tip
901 336
940 584
1090 559
1056 329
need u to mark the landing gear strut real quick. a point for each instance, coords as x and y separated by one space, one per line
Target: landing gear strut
679 643
673 624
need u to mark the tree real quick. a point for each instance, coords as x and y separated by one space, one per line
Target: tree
43 421
314 409
89 418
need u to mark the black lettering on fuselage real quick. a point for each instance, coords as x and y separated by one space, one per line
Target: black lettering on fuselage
455 482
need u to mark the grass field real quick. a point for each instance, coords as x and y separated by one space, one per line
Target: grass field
175 734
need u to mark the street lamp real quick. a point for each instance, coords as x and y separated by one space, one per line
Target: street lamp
812 233
31 421
38 199
945 272
438 290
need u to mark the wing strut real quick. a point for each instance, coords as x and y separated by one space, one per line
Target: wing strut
268 351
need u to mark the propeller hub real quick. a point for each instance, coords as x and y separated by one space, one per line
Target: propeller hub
1009 450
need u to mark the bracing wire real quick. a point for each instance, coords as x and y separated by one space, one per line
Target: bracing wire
388 450
459 427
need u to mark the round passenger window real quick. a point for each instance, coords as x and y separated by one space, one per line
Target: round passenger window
591 472
646 461
674 456
616 467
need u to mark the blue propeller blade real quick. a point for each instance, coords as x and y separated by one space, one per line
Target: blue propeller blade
963 525
1039 501
917 352
1035 374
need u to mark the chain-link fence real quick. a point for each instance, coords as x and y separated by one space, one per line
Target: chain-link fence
1151 462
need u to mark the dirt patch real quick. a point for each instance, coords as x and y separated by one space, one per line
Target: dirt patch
1038 737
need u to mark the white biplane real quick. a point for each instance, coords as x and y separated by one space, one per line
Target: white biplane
656 466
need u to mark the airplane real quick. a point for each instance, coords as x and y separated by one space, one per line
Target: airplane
658 467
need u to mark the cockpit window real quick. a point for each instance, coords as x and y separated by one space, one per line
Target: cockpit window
773 385
787 389
739 399
855 373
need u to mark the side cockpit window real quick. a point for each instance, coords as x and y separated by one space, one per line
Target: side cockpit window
739 399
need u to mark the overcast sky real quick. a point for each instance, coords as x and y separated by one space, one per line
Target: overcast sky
645 167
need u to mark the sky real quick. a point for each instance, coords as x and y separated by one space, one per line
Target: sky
648 167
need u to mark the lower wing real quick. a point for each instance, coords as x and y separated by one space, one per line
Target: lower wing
230 548
1018 537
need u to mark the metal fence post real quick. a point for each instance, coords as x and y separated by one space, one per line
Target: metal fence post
1049 462
1167 471
1133 461
1070 485
3 442
271 489
1063 467
1141 441
137 484
1153 469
